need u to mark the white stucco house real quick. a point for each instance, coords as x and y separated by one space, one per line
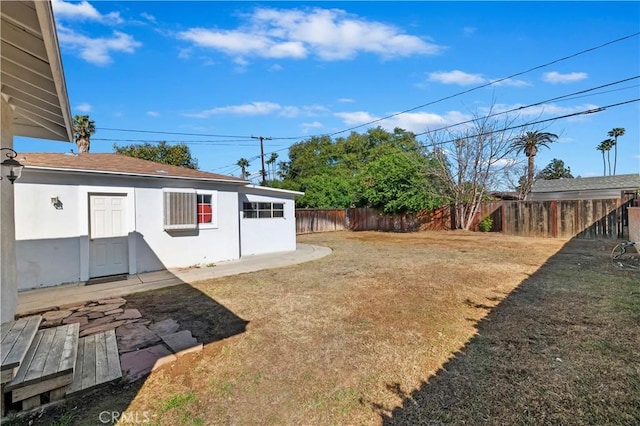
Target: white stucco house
84 216
34 103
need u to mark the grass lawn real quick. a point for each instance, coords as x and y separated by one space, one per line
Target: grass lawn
422 328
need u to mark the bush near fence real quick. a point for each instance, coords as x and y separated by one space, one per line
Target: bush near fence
592 219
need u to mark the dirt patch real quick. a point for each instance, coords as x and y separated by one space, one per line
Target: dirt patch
399 328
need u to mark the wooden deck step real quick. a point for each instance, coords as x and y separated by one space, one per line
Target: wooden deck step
16 340
47 366
98 362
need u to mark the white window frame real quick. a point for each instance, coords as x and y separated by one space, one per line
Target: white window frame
190 215
263 210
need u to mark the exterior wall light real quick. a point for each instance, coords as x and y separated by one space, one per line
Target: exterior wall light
55 201
13 167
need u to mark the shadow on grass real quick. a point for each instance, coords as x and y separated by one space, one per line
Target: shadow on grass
208 321
563 348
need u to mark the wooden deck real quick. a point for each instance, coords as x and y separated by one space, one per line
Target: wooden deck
47 366
16 340
98 362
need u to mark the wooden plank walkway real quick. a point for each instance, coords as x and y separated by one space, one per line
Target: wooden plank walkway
16 340
48 364
98 362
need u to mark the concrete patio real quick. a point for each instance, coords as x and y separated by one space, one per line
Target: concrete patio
38 300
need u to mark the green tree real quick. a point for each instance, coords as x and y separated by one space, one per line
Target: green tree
175 155
602 148
555 170
529 143
348 171
605 146
83 128
271 162
243 163
397 183
614 133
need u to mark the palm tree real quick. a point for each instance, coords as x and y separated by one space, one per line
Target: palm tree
83 128
529 144
602 147
607 144
243 163
614 133
271 162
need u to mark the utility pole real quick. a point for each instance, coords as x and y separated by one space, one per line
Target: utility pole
263 171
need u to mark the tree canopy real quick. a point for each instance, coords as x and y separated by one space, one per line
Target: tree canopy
381 169
555 170
83 128
175 155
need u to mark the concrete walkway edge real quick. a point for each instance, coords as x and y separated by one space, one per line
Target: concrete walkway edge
38 300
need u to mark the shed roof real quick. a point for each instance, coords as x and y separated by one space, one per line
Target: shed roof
630 181
116 164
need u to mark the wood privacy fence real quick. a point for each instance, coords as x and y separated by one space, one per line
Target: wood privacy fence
592 219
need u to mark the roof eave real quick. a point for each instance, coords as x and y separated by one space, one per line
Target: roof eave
145 175
50 37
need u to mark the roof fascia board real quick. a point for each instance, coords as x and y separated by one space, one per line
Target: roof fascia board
50 37
144 175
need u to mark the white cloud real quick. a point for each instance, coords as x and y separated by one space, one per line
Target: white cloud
254 108
328 34
346 100
416 122
153 114
184 53
275 68
148 17
458 77
511 83
83 11
557 78
309 126
469 30
97 50
83 107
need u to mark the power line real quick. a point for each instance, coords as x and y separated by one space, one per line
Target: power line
519 126
555 61
520 108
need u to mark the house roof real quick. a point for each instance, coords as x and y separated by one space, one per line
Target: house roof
115 164
622 182
33 81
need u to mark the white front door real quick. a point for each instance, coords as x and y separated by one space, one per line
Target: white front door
108 245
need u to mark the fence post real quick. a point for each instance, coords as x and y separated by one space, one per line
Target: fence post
554 219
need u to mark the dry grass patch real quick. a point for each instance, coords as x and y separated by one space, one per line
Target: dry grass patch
361 336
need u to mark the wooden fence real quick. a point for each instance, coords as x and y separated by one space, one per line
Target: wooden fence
592 219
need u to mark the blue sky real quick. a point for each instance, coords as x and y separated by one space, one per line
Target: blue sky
289 70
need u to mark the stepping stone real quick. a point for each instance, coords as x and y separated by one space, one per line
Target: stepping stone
135 336
140 363
78 314
55 315
79 320
115 300
105 308
99 328
94 315
97 321
115 311
49 324
129 314
182 342
167 326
